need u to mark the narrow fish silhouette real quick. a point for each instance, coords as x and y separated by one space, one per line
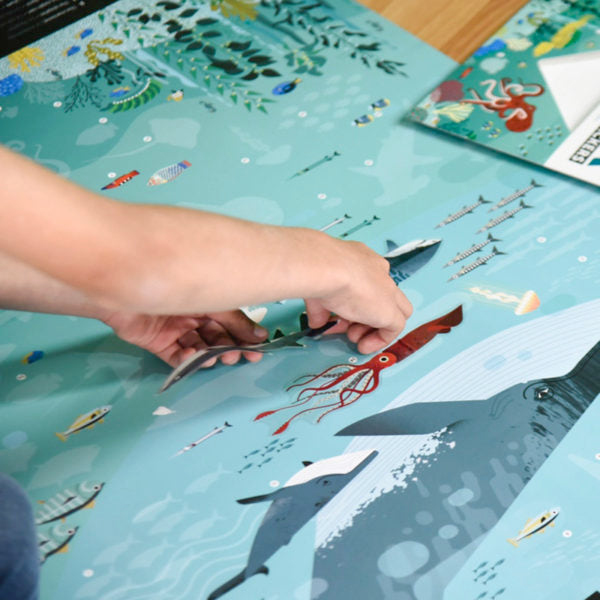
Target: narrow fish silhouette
335 222
325 159
210 434
509 214
195 362
465 210
487 448
482 260
474 248
292 506
360 226
515 195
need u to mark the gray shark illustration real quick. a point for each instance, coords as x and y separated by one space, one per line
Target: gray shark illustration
292 506
195 362
407 259
488 451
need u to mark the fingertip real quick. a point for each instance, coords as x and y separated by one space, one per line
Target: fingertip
370 343
253 357
260 333
231 358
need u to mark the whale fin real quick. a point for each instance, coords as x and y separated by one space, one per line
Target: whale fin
234 582
391 246
255 499
416 419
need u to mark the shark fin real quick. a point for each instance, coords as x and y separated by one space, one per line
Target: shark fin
307 463
278 334
390 245
254 499
235 581
416 419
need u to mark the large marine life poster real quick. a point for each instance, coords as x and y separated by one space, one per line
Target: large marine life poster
460 462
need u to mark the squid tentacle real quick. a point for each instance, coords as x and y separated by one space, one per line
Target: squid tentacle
322 374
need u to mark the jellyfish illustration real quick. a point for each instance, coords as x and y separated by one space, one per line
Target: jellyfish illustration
343 384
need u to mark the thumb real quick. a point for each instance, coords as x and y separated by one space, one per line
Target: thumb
317 314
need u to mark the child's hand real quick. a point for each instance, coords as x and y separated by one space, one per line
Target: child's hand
175 338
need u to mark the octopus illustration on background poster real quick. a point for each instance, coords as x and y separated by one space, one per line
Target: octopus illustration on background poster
341 385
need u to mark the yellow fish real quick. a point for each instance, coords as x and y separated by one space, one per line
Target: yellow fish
536 525
85 421
177 95
562 37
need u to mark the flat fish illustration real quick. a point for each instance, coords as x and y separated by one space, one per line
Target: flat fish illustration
194 362
68 501
465 210
474 248
55 540
489 449
88 420
286 88
176 95
362 120
407 259
509 214
121 180
294 505
380 104
515 195
482 260
536 525
169 173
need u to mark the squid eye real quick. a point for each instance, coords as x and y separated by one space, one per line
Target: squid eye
384 359
352 359
542 393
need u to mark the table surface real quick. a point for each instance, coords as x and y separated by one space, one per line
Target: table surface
457 28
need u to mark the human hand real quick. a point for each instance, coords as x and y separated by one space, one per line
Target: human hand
176 338
371 310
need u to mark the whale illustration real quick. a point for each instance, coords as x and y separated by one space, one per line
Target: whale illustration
489 449
293 505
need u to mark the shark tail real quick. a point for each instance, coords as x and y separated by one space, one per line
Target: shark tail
523 205
534 184
496 251
513 542
484 201
234 582
493 239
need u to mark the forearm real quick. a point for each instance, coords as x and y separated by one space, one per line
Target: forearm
154 259
24 288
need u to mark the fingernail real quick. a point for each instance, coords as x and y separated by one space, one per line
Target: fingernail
260 332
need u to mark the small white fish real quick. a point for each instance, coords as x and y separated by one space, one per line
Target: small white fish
85 421
536 525
152 511
202 484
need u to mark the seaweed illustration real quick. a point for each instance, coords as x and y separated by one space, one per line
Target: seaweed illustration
81 93
44 92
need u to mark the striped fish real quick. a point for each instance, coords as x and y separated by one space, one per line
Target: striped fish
68 501
169 173
55 540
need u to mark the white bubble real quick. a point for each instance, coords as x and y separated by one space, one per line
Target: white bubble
21 377
57 104
378 114
567 533
112 174
541 239
352 359
321 196
102 120
500 54
368 162
582 259
245 160
302 114
88 572
274 483
147 138
0 108
598 456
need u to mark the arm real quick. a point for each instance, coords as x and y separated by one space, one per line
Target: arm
165 260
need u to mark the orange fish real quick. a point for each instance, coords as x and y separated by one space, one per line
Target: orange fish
466 72
121 180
